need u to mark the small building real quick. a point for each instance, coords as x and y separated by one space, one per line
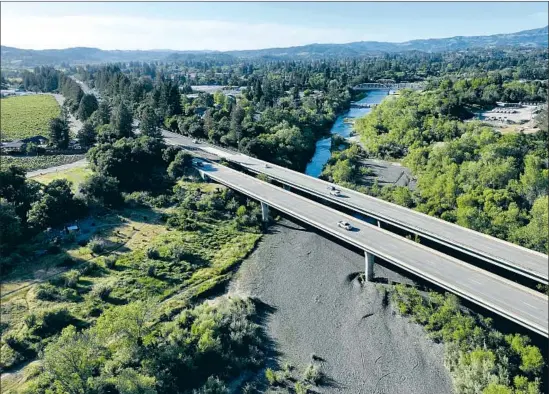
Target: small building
72 229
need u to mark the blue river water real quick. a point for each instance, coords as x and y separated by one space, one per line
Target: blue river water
322 152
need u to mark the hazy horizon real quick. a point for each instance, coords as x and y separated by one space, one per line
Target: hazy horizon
248 26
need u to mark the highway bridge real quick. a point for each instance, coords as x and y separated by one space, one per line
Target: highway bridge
516 259
389 86
501 296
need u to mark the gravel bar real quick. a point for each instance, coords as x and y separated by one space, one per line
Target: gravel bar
321 308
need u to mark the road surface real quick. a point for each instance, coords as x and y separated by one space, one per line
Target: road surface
517 259
504 297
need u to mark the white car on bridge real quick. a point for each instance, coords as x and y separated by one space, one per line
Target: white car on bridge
346 225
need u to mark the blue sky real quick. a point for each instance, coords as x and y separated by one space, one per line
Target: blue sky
226 26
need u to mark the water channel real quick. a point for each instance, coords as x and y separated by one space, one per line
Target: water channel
322 152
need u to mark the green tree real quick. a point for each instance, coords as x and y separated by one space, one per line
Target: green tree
150 123
59 133
534 180
534 234
56 206
88 105
125 327
87 136
72 360
103 113
129 381
10 226
121 121
101 189
181 162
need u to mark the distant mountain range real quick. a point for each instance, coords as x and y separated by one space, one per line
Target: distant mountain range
15 57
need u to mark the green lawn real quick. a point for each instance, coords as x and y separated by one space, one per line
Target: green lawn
27 116
75 175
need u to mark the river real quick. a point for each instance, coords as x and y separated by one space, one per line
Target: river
322 151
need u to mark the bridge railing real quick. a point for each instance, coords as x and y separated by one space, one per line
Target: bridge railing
389 86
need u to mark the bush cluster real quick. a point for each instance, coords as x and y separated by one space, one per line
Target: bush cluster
480 359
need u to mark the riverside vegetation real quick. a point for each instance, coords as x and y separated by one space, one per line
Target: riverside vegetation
120 315
469 174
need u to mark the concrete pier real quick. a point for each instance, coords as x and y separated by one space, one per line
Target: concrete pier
369 266
264 212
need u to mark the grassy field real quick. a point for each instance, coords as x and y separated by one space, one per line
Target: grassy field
27 116
75 175
141 258
32 163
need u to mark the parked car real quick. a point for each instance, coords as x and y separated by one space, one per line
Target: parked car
346 225
335 192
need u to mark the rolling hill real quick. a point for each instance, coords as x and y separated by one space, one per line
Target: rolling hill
15 57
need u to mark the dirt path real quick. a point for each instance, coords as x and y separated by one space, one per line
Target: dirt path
320 309
63 167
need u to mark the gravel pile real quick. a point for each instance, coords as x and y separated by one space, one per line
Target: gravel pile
320 308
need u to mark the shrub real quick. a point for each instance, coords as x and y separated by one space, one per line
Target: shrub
9 357
102 291
312 374
96 245
271 376
52 321
67 262
89 267
151 270
153 253
212 386
110 261
71 278
30 320
46 292
301 388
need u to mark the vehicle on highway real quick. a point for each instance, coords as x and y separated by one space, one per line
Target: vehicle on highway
331 187
195 141
335 192
346 225
267 166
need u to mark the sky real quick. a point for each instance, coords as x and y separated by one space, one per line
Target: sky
246 25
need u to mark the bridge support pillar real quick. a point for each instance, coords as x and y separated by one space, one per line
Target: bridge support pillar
203 175
379 224
264 212
286 187
369 266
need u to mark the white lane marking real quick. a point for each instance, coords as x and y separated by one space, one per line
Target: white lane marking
476 281
531 306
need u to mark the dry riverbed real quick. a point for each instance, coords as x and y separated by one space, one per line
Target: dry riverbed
320 308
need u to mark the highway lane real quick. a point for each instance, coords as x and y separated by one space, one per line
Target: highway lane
512 257
506 298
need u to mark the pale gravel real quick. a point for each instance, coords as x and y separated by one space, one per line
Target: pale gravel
318 310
